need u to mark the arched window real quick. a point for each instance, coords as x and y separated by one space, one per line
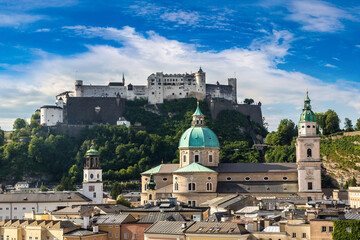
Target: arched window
176 186
197 158
146 186
184 158
208 186
150 196
309 152
191 187
210 158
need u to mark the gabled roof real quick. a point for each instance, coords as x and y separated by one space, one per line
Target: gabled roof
114 219
82 232
216 228
43 197
194 167
162 168
162 216
171 228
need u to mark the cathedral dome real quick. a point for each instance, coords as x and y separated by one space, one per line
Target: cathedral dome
307 115
198 137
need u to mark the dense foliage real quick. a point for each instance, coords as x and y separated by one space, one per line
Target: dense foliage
346 230
124 152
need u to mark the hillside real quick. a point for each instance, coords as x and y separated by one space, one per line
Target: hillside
37 155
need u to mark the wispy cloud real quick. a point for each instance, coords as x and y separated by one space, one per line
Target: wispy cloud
43 30
216 18
318 16
140 55
15 20
330 65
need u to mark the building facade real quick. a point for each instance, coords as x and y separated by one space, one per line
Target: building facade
89 104
200 176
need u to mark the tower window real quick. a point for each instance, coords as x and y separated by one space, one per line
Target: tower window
210 158
197 121
94 194
208 186
308 126
184 158
309 152
150 196
197 158
191 187
91 188
176 186
310 186
266 178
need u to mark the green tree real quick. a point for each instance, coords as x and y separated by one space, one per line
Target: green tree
284 135
2 137
65 185
249 101
332 122
19 124
348 125
122 201
116 190
357 126
43 188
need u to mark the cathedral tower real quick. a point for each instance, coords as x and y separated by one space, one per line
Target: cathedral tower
198 143
92 184
308 155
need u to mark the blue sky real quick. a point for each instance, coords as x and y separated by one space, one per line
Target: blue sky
276 49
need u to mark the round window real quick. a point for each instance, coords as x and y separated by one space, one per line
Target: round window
91 175
175 178
308 126
266 178
209 178
247 178
285 178
164 179
228 179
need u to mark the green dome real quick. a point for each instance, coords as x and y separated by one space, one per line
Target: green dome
199 137
92 151
307 115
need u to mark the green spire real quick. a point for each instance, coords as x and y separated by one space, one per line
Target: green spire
307 115
92 151
198 111
152 184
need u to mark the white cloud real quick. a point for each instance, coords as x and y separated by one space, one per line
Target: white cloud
317 16
43 30
140 55
330 65
182 17
15 20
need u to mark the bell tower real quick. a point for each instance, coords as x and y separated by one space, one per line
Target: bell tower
92 184
308 155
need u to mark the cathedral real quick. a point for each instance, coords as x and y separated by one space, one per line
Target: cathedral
199 176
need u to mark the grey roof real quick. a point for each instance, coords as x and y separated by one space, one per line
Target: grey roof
72 210
216 228
162 216
51 106
352 216
164 168
256 167
257 187
216 217
177 208
233 201
171 228
132 194
113 219
43 223
43 197
111 208
82 232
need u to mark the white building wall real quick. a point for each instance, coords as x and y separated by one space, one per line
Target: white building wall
51 115
18 210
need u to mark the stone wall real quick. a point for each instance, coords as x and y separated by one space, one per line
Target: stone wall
94 110
253 111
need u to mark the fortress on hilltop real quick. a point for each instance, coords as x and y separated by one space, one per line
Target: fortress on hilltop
94 104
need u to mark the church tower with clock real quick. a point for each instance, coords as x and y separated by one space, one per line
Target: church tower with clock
92 184
308 155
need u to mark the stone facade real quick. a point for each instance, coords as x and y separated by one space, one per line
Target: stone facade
196 179
106 103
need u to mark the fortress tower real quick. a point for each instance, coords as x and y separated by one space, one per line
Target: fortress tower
308 155
92 184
